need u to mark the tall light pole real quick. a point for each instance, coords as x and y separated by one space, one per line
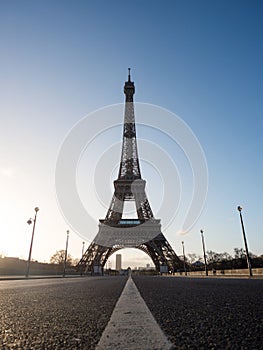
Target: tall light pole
185 272
66 255
82 253
203 243
245 241
83 246
32 239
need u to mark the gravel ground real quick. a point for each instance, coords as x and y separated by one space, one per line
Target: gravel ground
57 315
200 313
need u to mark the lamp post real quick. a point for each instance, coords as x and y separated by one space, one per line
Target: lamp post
203 243
245 241
82 253
66 255
185 272
83 245
32 239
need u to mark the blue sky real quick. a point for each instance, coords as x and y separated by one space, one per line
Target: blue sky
62 60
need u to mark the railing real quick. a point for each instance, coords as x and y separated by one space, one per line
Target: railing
234 272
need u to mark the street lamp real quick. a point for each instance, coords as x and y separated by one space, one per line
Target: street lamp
203 243
82 253
32 239
245 241
185 272
66 255
83 245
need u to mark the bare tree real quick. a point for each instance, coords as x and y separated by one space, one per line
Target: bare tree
226 256
192 257
59 257
239 253
75 262
211 256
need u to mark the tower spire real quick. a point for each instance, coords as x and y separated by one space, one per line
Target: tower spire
129 166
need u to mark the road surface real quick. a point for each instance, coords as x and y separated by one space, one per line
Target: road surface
55 314
73 313
207 313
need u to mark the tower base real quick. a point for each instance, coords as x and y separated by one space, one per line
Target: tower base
132 233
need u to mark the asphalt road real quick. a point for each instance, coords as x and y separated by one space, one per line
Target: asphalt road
200 313
71 313
56 313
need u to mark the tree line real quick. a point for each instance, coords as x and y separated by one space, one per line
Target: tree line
218 261
224 261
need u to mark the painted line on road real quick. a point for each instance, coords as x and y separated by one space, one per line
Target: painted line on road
132 326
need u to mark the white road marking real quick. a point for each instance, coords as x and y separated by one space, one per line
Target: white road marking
132 326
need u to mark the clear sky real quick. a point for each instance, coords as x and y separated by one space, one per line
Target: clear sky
61 60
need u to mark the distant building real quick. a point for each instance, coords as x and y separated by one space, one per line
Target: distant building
148 267
118 262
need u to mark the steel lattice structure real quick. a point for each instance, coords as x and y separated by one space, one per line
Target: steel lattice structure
143 232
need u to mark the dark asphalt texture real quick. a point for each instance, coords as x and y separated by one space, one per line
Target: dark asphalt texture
71 314
200 313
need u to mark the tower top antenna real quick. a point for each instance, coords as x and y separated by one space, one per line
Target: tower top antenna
129 74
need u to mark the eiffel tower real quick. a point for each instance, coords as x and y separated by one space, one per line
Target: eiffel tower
142 232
